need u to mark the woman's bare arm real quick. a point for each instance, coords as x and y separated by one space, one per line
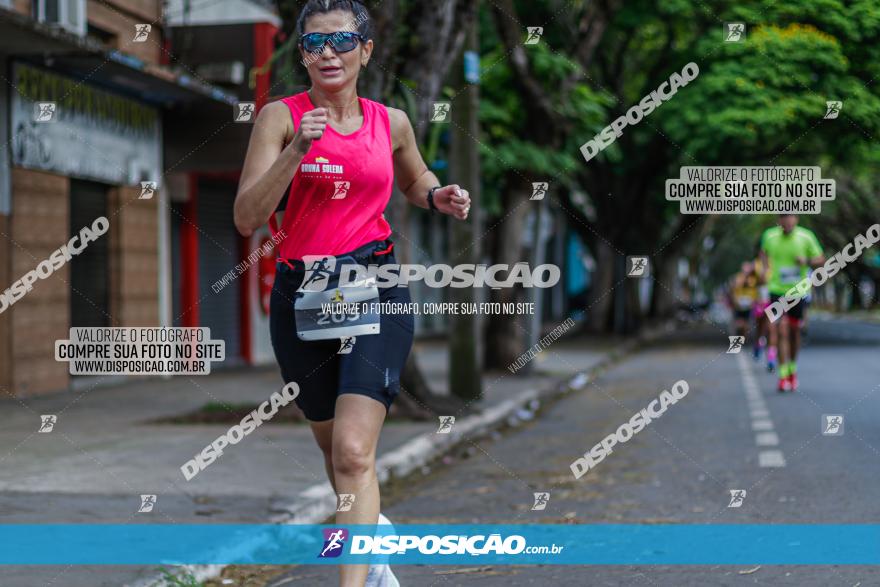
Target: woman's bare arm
414 178
269 165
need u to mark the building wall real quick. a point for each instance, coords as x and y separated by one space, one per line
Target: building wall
5 327
39 225
40 216
120 17
22 6
134 258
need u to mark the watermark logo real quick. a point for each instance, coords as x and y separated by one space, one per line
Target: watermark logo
533 35
148 189
764 189
346 500
264 250
665 91
734 31
441 112
832 266
263 413
737 496
539 346
244 111
141 32
542 498
539 190
148 502
450 544
44 111
446 423
346 345
342 188
627 430
56 260
47 423
319 268
832 109
832 424
636 266
334 542
437 276
736 344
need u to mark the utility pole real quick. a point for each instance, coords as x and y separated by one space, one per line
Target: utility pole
465 366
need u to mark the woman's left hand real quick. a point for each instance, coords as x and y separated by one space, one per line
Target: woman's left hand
453 200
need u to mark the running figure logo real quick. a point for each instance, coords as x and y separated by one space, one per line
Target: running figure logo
736 498
441 112
244 111
318 271
346 345
734 31
736 344
346 500
148 188
446 423
341 190
44 112
832 424
147 503
534 35
141 32
334 541
637 266
541 500
539 189
47 423
832 109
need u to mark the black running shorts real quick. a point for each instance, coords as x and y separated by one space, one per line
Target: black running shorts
373 366
795 313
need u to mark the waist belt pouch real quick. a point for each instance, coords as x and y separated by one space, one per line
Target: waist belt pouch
356 304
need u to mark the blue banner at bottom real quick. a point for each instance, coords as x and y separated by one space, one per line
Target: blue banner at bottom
452 544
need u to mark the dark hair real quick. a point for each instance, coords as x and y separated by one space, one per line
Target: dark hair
360 12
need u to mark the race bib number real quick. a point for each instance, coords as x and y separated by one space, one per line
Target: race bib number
789 274
337 313
744 302
324 310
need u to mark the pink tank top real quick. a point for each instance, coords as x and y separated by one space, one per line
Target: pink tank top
342 186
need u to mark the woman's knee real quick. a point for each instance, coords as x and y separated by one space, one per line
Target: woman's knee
352 457
323 433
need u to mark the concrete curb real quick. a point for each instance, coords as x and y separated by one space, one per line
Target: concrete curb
318 502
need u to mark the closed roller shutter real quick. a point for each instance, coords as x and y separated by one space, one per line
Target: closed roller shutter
219 254
89 270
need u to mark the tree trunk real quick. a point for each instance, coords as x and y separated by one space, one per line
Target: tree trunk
505 335
663 294
600 298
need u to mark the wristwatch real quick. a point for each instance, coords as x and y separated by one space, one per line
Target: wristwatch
431 204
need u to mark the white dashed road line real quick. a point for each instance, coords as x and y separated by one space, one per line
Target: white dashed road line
762 424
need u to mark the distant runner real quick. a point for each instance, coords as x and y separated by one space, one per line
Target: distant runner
743 296
762 324
790 251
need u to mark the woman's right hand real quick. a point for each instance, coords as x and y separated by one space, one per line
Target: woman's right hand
311 128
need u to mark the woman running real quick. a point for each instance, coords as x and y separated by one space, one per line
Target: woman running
343 153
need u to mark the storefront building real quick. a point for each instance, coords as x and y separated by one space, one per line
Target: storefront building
85 118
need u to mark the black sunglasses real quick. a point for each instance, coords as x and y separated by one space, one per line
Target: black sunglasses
341 41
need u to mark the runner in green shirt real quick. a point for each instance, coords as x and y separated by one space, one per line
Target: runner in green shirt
790 251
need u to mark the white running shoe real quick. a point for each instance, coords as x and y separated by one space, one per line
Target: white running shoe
380 575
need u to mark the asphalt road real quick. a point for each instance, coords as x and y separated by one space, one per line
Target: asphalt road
732 431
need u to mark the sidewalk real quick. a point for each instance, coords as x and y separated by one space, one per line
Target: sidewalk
103 453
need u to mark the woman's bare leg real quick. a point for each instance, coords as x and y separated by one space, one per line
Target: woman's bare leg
357 424
323 433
